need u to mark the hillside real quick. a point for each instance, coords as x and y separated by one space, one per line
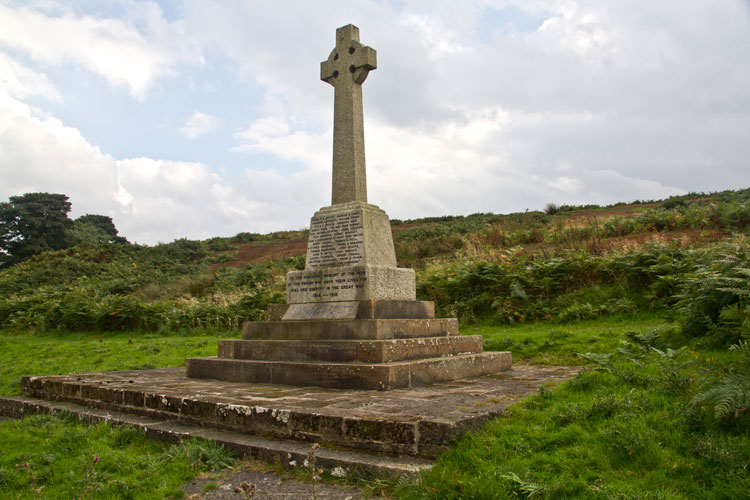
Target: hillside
651 297
569 263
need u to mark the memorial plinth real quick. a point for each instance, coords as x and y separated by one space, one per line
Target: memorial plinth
351 320
350 257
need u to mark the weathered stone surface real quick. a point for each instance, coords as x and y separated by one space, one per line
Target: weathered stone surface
318 310
349 283
346 351
346 69
439 413
361 309
396 309
360 329
289 454
350 234
354 375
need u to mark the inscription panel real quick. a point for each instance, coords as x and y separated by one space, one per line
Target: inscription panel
336 240
329 285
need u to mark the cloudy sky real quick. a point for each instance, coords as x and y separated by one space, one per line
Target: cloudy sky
207 118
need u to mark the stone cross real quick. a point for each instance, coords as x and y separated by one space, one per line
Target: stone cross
346 69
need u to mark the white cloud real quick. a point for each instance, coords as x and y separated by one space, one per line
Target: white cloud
112 48
604 102
199 124
149 200
41 154
21 81
279 137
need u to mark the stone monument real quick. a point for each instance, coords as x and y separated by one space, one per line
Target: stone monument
351 319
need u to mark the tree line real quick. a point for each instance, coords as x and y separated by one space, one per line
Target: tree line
37 222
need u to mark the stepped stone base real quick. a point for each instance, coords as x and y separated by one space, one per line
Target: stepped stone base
378 376
287 453
375 351
353 309
359 329
347 351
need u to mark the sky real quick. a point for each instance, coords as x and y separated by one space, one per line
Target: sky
208 118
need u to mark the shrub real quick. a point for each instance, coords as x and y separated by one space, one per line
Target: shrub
551 208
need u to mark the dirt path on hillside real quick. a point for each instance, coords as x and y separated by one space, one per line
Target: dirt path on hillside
257 252
268 486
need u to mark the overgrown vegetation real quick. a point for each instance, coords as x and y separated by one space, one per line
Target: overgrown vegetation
652 297
578 264
129 287
708 287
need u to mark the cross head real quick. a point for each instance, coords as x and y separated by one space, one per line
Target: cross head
350 61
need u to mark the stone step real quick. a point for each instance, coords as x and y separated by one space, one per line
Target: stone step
344 351
421 421
362 329
379 376
289 454
362 309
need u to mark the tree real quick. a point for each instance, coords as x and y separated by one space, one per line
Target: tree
95 229
552 208
31 224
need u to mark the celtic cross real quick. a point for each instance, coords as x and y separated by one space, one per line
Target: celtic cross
346 69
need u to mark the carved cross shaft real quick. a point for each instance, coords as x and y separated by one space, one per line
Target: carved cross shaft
346 69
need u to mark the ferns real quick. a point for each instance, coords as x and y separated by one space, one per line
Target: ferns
708 287
728 392
714 297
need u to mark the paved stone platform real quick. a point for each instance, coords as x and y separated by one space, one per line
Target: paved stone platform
420 422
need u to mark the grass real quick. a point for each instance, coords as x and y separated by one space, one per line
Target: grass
548 343
50 353
623 429
56 457
598 436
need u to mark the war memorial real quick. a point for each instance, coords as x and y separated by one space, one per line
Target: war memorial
352 361
351 320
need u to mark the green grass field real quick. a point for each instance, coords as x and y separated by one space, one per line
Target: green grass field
56 353
622 429
56 457
547 343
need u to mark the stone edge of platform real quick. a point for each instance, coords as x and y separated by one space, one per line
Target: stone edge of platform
413 436
366 376
287 453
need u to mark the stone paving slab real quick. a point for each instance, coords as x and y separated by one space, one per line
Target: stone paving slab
420 421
